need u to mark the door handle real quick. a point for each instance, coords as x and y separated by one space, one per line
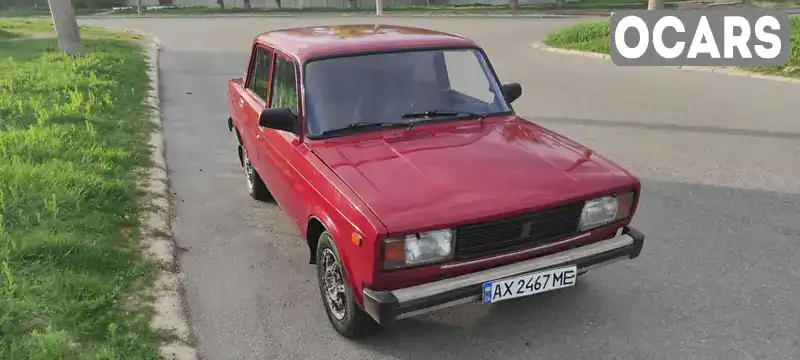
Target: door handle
241 102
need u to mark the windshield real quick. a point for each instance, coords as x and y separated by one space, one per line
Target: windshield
380 88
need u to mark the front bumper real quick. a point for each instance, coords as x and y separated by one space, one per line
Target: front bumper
387 306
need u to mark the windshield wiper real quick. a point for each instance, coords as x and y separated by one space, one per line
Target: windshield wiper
414 118
362 124
359 125
429 115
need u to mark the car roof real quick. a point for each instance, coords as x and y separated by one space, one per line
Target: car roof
303 43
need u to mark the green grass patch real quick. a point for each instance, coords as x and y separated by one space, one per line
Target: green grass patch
589 36
5 34
30 11
73 142
594 37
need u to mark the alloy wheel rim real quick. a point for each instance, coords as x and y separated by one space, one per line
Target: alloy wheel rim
333 285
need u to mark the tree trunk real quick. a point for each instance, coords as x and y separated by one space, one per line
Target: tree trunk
247 4
66 26
221 4
513 5
655 5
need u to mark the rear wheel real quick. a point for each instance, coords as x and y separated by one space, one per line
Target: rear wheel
343 312
255 186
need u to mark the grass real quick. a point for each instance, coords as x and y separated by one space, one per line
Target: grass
594 37
6 35
73 143
30 11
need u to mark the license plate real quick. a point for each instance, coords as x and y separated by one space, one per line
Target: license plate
530 284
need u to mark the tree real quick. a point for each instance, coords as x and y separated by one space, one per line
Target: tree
247 4
66 26
221 4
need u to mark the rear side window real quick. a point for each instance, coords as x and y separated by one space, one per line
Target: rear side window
259 77
284 85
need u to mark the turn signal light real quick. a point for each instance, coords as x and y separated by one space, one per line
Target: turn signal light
625 206
394 252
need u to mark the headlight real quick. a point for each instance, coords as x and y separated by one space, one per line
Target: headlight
418 249
605 210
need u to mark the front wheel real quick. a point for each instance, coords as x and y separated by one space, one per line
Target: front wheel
343 312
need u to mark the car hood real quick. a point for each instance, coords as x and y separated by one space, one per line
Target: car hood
451 173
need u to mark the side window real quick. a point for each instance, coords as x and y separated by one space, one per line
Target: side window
284 85
466 75
259 78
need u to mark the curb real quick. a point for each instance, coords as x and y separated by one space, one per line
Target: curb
157 242
717 70
333 14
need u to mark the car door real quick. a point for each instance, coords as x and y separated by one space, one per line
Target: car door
277 149
254 99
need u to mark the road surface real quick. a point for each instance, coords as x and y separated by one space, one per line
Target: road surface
717 155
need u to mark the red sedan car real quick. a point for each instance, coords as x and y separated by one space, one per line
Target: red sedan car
396 153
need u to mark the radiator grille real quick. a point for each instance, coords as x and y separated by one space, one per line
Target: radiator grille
517 232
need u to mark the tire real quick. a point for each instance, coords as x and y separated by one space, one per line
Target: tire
343 311
255 186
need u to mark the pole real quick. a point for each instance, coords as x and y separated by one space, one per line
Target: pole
379 7
655 4
66 26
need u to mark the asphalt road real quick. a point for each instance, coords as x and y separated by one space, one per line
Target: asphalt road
718 156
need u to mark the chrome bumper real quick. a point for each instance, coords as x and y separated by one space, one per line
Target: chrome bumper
388 306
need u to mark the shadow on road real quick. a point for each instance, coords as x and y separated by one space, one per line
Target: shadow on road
477 330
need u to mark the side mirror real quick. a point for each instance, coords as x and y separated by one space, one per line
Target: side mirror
511 91
278 119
